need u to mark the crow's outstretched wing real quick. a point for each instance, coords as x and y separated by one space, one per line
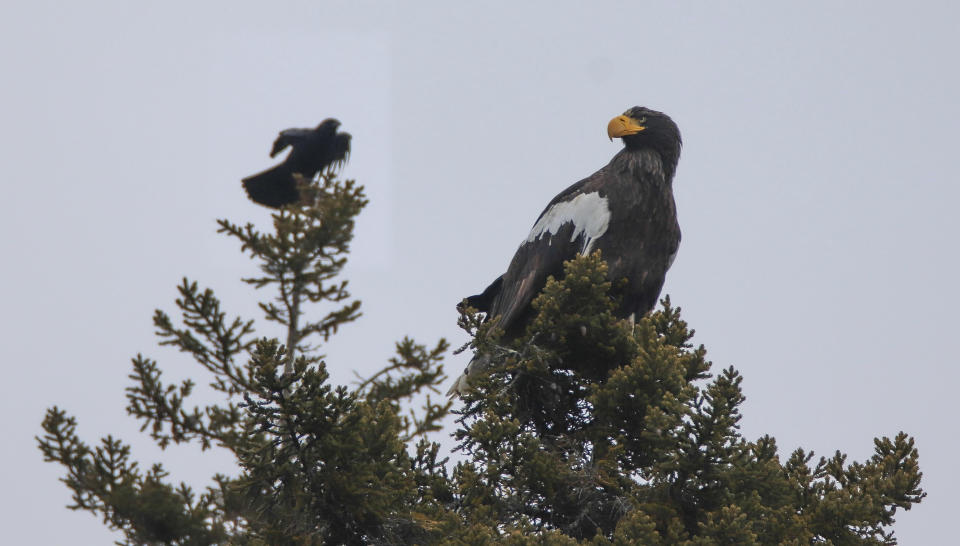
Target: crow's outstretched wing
290 137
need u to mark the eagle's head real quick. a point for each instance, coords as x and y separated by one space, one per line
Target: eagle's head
641 127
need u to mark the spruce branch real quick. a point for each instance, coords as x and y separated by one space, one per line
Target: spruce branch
105 481
414 370
161 408
208 336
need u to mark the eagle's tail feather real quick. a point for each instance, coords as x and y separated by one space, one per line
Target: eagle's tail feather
484 300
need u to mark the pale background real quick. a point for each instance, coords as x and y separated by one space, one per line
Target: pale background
816 191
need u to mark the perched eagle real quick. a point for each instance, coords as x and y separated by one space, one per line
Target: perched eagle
626 210
311 151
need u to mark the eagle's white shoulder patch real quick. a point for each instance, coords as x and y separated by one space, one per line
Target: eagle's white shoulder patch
588 212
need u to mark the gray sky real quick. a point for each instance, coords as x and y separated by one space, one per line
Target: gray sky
816 192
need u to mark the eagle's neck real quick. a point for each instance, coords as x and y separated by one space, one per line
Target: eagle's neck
645 164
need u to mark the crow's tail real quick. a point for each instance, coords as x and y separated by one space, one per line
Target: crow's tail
273 188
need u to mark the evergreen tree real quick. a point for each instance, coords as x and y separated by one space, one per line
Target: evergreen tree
588 429
316 464
595 430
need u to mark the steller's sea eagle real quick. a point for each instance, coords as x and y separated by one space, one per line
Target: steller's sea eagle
311 151
625 210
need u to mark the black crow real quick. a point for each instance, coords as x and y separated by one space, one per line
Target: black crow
311 152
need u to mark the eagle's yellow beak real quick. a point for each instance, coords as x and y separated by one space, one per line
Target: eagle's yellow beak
622 126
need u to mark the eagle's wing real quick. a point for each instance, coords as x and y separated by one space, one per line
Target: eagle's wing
568 226
289 137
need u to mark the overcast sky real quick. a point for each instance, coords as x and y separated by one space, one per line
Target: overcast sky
816 192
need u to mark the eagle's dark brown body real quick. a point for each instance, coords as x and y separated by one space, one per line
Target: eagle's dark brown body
625 210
